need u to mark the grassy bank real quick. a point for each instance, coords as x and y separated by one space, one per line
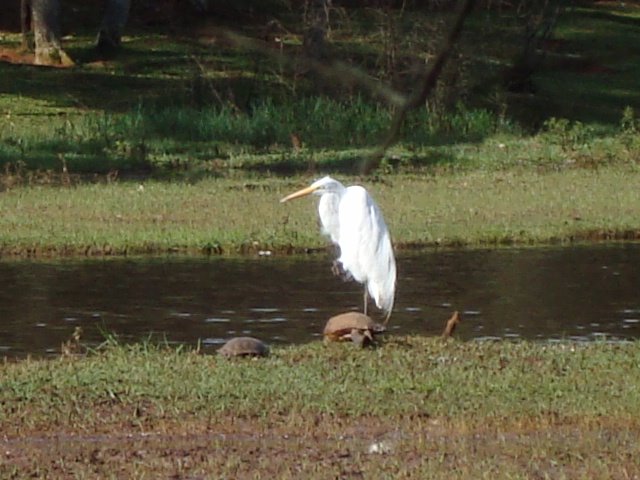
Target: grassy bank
229 131
242 216
436 410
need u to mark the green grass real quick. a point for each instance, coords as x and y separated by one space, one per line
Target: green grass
244 215
155 139
442 409
404 376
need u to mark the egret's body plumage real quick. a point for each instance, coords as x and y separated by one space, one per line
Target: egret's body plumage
353 221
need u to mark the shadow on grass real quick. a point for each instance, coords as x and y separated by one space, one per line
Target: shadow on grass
591 77
349 163
611 16
591 72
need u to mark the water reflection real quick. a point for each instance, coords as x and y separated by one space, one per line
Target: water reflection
579 292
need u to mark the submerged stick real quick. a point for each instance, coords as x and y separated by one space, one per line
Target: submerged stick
451 325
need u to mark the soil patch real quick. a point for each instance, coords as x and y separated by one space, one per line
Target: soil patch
340 449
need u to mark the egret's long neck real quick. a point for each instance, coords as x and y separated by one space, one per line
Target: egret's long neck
337 189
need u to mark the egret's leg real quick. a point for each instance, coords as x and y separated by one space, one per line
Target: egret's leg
366 299
338 270
386 320
335 268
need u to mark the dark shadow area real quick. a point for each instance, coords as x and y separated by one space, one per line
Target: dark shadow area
589 74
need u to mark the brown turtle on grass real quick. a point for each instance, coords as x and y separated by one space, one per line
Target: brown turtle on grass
354 326
244 347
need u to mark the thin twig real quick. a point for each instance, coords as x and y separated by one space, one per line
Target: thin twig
213 90
344 73
420 97
329 69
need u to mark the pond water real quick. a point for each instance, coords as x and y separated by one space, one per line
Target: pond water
581 293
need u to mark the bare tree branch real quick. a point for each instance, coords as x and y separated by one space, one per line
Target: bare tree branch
25 23
427 86
345 74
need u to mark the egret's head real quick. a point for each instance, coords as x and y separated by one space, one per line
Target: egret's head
319 187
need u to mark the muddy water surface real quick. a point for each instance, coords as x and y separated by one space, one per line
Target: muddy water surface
582 293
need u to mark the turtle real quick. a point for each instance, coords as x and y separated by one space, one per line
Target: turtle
244 347
354 326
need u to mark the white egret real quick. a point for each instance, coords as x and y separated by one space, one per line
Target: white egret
353 221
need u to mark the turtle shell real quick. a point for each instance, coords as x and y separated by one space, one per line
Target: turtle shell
340 327
244 347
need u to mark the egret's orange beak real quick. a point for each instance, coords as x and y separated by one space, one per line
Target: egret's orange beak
299 193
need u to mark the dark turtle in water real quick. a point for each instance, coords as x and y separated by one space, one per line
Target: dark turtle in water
354 326
244 347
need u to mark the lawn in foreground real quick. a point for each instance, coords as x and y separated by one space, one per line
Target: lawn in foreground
423 406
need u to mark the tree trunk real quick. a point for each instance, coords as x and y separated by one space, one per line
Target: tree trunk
25 24
317 22
538 19
115 18
46 27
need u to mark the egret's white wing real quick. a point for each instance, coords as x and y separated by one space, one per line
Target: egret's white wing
328 211
365 246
